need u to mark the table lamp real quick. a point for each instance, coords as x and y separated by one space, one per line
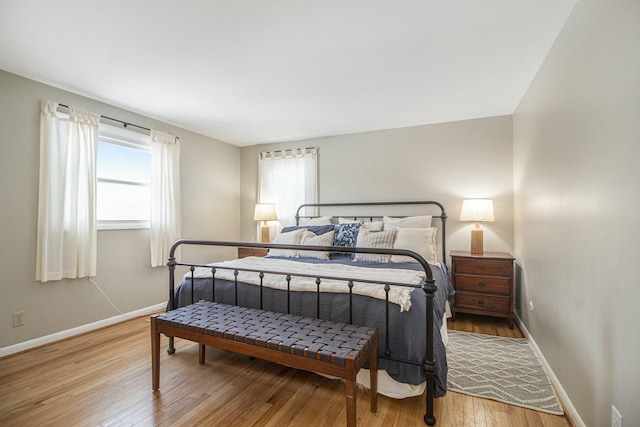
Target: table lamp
477 210
265 212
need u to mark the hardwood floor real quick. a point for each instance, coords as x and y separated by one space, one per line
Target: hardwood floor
103 378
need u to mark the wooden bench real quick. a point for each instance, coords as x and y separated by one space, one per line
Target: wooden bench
316 345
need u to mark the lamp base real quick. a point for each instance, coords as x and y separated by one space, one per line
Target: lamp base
265 233
476 241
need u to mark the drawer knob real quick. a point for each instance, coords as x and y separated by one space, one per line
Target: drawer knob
481 302
481 267
481 284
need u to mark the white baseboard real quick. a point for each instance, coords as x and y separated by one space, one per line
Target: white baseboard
47 339
566 402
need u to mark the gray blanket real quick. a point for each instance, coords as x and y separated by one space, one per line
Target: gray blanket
407 334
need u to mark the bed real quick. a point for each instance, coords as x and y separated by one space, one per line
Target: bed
372 270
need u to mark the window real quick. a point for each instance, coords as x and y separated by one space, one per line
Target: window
288 178
123 179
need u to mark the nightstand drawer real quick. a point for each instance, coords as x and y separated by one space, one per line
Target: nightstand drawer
245 252
491 285
484 267
482 302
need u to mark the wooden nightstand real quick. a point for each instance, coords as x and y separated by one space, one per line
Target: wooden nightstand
245 252
483 284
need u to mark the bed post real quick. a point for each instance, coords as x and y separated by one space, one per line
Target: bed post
171 263
443 226
429 287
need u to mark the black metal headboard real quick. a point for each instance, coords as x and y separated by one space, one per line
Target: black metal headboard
442 216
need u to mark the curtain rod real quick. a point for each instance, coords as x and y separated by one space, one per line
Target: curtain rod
287 149
291 149
125 124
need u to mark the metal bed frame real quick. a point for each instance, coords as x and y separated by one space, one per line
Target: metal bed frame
428 285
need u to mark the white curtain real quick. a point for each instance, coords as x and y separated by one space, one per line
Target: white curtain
288 178
67 232
165 195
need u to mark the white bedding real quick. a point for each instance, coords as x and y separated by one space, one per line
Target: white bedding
399 295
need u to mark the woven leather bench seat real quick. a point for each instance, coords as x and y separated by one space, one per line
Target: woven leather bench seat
317 345
313 338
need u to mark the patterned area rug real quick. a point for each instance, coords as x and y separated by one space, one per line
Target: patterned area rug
498 368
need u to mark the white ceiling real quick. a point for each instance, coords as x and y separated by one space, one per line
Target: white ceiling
257 71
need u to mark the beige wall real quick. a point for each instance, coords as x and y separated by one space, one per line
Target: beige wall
210 188
576 155
445 162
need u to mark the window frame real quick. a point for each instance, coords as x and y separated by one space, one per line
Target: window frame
130 139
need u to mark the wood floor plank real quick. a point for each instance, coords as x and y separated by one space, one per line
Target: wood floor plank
104 378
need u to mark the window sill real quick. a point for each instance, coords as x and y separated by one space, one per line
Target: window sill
123 225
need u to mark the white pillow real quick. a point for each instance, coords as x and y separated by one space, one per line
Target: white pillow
423 221
347 221
321 220
420 240
372 225
289 238
311 239
377 240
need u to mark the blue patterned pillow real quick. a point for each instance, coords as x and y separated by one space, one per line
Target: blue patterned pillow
346 235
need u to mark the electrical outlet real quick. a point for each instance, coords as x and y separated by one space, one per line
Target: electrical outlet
18 319
616 418
530 305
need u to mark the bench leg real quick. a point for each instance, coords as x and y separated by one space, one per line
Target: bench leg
201 351
373 378
155 356
350 386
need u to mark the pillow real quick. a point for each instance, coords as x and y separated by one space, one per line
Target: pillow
423 221
347 221
346 235
290 238
371 225
311 239
375 239
320 220
420 240
315 229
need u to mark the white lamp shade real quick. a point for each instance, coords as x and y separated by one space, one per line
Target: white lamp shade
477 210
265 212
